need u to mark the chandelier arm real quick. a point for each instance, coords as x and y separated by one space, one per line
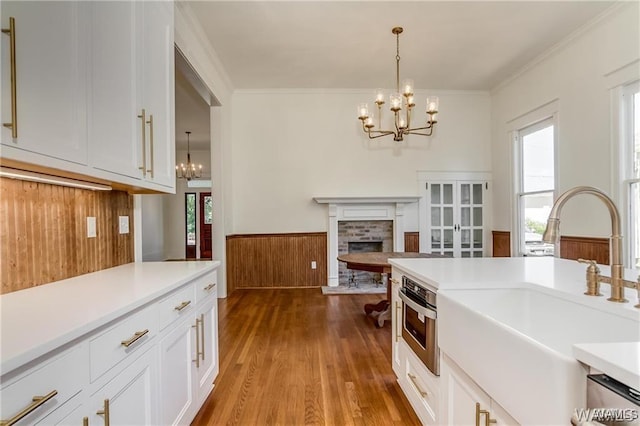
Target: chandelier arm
412 132
427 127
385 133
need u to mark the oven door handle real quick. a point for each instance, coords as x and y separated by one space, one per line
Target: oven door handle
429 313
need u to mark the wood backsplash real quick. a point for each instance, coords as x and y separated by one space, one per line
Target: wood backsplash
43 232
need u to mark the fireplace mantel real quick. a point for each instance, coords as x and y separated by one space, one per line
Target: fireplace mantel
362 208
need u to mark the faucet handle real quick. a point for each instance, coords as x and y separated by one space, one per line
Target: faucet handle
592 265
593 278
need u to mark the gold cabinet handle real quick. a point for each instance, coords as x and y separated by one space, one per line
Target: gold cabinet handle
136 336
105 412
202 335
487 419
150 123
11 31
197 327
37 401
209 287
395 281
85 421
143 117
415 383
182 305
398 308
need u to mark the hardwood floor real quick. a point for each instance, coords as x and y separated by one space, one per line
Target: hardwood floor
294 357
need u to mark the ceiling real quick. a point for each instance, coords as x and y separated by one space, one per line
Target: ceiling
460 45
463 45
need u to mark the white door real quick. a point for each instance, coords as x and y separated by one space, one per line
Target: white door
470 230
441 202
131 396
177 355
51 76
461 396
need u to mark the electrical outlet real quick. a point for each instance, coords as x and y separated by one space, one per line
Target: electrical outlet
314 265
91 227
123 224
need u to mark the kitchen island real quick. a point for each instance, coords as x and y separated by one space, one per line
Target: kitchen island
133 344
515 330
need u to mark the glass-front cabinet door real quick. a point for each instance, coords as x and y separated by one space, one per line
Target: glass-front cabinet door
456 218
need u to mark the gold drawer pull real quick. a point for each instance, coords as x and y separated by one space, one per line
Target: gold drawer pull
136 336
85 421
420 391
202 335
209 287
38 401
197 327
182 305
14 85
105 412
487 419
398 309
395 281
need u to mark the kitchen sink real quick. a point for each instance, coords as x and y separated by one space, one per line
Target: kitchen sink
516 343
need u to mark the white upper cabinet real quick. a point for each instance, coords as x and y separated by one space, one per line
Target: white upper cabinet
50 81
132 91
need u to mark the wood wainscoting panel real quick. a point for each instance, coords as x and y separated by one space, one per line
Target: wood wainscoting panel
276 260
590 248
412 242
44 233
501 243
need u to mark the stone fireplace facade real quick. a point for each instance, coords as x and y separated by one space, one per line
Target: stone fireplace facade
362 236
357 209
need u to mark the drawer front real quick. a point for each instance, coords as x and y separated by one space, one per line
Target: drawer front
177 305
121 340
206 286
421 387
61 378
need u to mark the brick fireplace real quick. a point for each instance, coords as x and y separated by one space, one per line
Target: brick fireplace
360 237
382 211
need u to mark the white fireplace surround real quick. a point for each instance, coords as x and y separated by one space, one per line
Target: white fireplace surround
362 208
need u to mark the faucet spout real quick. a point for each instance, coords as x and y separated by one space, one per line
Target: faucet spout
551 234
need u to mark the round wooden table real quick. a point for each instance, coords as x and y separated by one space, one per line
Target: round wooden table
379 262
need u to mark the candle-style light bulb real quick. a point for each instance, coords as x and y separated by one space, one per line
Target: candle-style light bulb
379 96
396 101
407 87
432 104
363 111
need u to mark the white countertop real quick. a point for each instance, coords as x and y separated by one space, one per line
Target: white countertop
558 277
37 320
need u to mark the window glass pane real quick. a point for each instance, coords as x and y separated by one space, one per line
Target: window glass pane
435 238
448 216
447 196
465 254
435 216
538 160
448 238
208 209
465 216
477 238
477 216
635 224
535 211
477 254
477 193
190 209
636 135
435 193
465 238
465 193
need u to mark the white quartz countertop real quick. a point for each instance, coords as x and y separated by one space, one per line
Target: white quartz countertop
37 320
560 277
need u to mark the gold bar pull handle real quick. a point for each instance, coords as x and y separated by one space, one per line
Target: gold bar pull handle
197 327
136 336
395 281
209 287
37 401
105 412
202 335
85 421
150 123
487 416
143 117
415 383
182 305
398 308
11 31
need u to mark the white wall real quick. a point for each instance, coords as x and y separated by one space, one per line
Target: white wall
574 74
152 218
289 146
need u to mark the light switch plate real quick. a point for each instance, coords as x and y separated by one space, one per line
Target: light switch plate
123 224
91 227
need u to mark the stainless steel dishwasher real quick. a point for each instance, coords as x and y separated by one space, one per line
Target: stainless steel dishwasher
610 402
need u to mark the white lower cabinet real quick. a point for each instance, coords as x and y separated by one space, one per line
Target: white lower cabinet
396 324
155 365
465 403
420 386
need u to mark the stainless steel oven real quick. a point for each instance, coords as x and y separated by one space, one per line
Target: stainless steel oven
420 322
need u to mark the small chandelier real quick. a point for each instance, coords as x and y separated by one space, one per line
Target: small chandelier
190 170
402 122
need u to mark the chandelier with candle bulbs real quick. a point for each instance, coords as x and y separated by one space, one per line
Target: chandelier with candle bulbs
190 170
399 101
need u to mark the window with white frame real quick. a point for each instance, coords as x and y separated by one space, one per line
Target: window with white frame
630 169
535 185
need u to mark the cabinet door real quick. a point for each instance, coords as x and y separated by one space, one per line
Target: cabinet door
115 131
131 395
207 370
461 395
157 76
51 78
470 230
177 355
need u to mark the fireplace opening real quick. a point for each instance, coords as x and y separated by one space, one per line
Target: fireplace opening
362 236
364 246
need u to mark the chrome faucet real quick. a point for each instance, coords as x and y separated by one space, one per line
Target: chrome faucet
551 236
